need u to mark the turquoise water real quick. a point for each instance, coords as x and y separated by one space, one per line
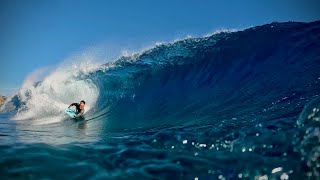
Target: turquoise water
234 105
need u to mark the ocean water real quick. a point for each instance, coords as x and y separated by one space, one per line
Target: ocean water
233 105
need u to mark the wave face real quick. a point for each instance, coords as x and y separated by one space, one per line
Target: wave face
224 106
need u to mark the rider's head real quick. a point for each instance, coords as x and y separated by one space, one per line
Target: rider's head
82 103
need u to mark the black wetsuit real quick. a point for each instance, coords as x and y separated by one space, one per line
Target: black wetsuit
77 105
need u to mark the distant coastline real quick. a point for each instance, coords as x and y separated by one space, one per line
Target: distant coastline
2 99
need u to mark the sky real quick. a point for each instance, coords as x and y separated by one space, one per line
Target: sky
37 34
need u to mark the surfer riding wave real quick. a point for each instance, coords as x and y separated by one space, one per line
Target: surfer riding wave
79 108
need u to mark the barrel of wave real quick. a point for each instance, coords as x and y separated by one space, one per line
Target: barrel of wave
46 101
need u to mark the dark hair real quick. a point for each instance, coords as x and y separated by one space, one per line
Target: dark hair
83 101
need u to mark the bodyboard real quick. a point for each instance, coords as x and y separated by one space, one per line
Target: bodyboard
70 112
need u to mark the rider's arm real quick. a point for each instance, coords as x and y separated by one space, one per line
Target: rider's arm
73 104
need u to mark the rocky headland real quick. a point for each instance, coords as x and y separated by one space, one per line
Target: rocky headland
2 99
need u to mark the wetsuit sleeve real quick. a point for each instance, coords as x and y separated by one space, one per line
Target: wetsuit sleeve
73 104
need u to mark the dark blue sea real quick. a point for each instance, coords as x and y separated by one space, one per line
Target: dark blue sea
232 105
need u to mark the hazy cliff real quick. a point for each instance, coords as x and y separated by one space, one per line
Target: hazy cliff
2 99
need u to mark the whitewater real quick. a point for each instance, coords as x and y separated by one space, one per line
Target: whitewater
232 105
